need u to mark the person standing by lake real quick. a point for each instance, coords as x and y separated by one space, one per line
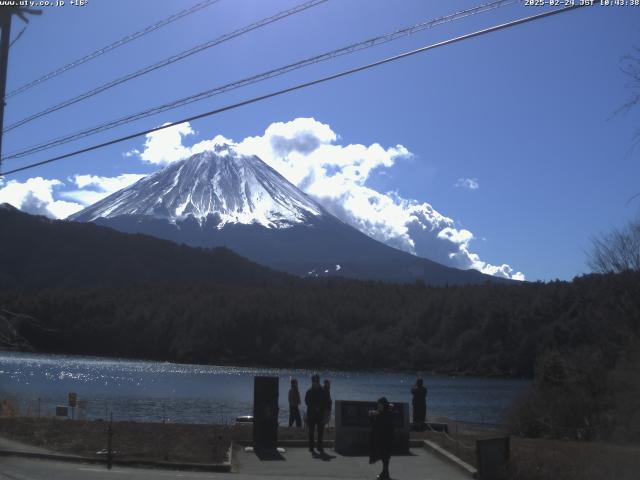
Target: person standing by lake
327 402
381 436
294 404
419 403
315 401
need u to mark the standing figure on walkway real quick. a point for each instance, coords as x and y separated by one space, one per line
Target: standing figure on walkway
327 402
381 436
294 404
419 403
315 401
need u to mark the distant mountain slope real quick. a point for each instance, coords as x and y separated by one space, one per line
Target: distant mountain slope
222 198
36 252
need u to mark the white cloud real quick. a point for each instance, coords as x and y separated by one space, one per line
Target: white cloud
504 271
306 153
107 184
131 153
468 183
35 196
40 196
209 144
165 146
93 188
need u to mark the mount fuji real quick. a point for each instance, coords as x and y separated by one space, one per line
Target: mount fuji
222 198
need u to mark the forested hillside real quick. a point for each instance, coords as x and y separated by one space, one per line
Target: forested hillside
489 329
37 252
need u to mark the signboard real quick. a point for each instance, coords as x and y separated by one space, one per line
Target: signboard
356 414
73 399
62 411
353 426
265 413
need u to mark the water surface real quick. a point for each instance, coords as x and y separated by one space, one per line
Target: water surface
156 391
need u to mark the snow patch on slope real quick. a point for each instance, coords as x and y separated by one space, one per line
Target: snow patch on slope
223 183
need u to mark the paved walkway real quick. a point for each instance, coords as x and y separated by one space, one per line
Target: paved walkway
7 444
294 463
299 463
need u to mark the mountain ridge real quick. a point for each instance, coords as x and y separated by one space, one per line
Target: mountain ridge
37 252
221 198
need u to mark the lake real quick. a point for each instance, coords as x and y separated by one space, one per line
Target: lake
156 391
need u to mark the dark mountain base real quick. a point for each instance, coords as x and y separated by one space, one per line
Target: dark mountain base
37 252
326 246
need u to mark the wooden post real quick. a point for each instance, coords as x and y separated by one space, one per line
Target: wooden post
5 39
109 443
6 13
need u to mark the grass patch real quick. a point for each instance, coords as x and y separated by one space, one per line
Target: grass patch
544 458
137 440
537 459
131 440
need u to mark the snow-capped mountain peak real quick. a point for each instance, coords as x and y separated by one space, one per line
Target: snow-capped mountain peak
222 183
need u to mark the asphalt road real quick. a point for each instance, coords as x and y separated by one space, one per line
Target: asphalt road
15 468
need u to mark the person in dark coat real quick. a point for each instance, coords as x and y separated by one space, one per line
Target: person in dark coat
315 401
327 402
381 436
294 404
419 403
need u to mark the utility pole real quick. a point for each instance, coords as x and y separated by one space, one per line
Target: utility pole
110 443
5 38
6 13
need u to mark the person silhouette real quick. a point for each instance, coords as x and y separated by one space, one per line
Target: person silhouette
315 401
381 436
327 402
419 403
294 404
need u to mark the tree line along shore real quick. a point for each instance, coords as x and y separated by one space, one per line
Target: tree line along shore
578 340
500 330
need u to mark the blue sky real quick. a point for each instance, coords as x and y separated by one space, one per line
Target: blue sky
526 115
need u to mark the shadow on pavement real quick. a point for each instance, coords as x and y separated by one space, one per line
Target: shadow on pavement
324 456
269 455
365 454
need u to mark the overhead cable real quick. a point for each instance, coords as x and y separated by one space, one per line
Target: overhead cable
101 51
300 86
168 61
368 43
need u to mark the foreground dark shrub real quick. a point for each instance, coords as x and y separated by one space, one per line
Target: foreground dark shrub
571 397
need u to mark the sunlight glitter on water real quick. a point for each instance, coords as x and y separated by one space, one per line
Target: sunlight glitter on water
162 391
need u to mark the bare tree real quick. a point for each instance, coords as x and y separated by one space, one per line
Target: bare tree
631 68
617 251
10 326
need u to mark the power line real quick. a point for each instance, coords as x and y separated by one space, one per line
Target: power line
168 61
17 36
369 43
6 15
124 40
300 86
